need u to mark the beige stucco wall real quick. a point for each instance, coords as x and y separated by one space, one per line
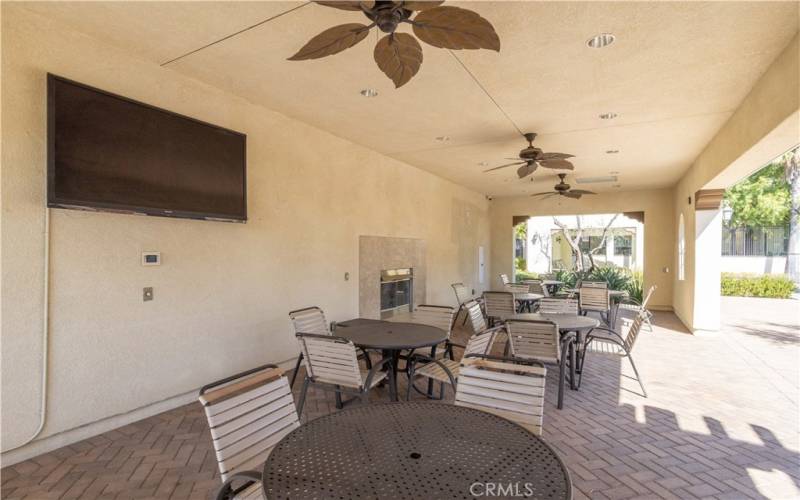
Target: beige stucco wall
765 124
223 290
659 230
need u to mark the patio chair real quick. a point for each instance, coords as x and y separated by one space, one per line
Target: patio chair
603 340
596 299
504 387
477 320
307 320
463 296
536 286
248 414
312 320
552 305
629 304
499 305
504 279
445 370
593 284
332 364
437 316
541 341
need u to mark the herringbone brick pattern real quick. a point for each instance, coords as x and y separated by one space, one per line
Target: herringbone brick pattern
720 422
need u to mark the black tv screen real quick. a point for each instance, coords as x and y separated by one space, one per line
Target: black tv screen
107 152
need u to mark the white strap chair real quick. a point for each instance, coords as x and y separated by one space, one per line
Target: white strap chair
606 341
551 305
307 320
248 414
595 299
629 304
444 370
499 305
332 363
536 286
541 341
504 388
594 284
504 279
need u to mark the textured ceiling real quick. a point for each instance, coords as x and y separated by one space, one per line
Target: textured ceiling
674 76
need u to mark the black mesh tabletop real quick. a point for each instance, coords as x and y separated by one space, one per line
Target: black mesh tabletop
391 335
412 450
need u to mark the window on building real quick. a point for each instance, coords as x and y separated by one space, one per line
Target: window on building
623 244
588 243
681 249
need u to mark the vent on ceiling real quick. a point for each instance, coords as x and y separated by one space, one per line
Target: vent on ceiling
596 180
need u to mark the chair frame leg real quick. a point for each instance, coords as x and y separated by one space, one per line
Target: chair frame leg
636 372
302 401
339 404
296 369
561 376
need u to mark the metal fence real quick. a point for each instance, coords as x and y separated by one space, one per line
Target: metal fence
755 241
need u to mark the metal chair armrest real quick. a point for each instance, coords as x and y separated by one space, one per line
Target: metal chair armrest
227 492
509 359
617 335
374 370
431 360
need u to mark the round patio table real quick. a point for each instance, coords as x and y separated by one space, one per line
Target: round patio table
526 299
412 450
391 338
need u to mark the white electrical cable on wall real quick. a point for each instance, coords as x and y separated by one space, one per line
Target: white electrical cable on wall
45 332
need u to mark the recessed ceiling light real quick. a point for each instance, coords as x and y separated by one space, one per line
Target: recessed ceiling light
442 138
484 164
617 185
612 151
608 116
601 40
614 172
369 92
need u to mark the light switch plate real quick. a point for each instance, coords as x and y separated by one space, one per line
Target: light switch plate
147 293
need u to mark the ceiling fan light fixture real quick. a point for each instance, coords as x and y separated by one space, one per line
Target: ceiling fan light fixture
608 116
601 40
443 138
369 92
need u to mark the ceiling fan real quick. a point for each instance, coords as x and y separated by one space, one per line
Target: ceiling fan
563 189
532 157
399 55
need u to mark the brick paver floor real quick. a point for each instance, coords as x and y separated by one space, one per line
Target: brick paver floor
721 421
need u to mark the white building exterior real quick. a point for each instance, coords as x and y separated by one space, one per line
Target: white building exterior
547 250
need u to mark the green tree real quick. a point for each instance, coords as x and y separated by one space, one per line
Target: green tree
763 199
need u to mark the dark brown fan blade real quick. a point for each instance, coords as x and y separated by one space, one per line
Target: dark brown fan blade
526 170
424 5
399 56
555 156
504 166
572 194
332 41
341 5
581 191
544 192
455 28
559 164
517 158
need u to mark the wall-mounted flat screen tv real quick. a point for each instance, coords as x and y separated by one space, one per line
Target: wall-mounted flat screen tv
111 153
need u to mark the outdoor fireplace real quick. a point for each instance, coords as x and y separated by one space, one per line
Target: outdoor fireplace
397 291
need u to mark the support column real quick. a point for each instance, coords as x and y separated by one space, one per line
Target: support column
707 259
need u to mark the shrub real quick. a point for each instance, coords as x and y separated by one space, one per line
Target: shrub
635 286
520 275
742 285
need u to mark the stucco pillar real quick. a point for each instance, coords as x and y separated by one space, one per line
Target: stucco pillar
707 259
